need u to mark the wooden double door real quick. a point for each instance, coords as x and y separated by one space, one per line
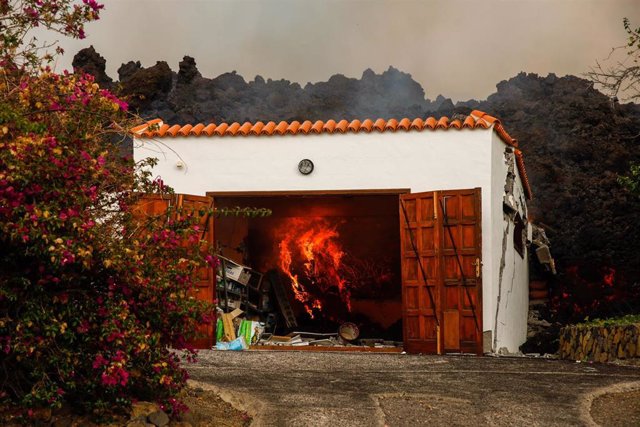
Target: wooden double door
153 205
440 237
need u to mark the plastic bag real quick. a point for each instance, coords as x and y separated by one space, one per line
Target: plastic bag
238 344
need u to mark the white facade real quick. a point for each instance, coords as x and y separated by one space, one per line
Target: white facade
419 160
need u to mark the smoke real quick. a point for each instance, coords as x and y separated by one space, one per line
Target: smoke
455 47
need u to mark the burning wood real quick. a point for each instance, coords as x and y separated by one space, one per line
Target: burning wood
311 256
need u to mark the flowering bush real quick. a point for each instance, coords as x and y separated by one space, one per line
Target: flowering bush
18 17
91 296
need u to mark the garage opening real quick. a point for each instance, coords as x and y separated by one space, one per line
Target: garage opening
336 257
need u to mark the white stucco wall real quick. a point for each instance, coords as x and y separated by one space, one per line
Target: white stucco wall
510 287
420 161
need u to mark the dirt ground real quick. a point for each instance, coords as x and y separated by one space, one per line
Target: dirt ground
328 389
207 409
617 409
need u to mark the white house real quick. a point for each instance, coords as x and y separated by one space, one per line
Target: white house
441 201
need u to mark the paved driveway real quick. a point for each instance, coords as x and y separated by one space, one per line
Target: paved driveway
352 389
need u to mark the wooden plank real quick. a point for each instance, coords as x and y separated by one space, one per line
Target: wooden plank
227 324
391 191
451 321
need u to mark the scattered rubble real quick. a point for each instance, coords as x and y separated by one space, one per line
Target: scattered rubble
247 317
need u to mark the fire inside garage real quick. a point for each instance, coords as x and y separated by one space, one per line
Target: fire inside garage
335 257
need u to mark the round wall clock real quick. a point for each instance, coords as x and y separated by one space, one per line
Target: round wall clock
305 166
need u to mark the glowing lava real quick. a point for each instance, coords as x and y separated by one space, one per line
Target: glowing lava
609 276
311 256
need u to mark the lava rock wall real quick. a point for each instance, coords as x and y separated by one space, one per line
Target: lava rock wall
600 343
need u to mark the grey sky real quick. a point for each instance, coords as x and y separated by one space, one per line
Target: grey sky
458 48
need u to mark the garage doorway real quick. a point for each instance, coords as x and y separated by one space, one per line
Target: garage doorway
337 253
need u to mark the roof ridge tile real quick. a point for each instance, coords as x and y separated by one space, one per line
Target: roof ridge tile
475 120
221 128
329 126
245 128
380 124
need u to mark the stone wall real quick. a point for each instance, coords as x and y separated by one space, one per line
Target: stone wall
600 343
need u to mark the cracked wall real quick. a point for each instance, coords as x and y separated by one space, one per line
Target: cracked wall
510 279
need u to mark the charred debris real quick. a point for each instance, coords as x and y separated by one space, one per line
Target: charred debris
257 310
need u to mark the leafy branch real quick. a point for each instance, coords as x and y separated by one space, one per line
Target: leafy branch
620 78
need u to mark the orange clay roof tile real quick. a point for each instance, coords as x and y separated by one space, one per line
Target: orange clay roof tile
431 123
268 128
367 125
443 123
257 128
417 124
342 125
329 126
233 128
173 130
163 129
317 126
523 173
281 128
305 127
140 128
475 120
293 127
184 130
197 129
380 125
481 115
392 125
404 124
245 128
469 122
221 128
208 129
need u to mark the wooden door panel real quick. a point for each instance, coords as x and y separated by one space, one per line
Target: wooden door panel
468 241
153 205
451 320
419 272
412 298
412 327
468 207
467 327
441 245
427 242
410 208
452 298
425 300
205 277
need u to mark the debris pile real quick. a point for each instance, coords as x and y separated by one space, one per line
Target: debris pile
253 307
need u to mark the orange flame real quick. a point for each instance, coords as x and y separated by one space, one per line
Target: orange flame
311 247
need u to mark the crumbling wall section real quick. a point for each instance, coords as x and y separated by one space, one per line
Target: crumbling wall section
510 258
